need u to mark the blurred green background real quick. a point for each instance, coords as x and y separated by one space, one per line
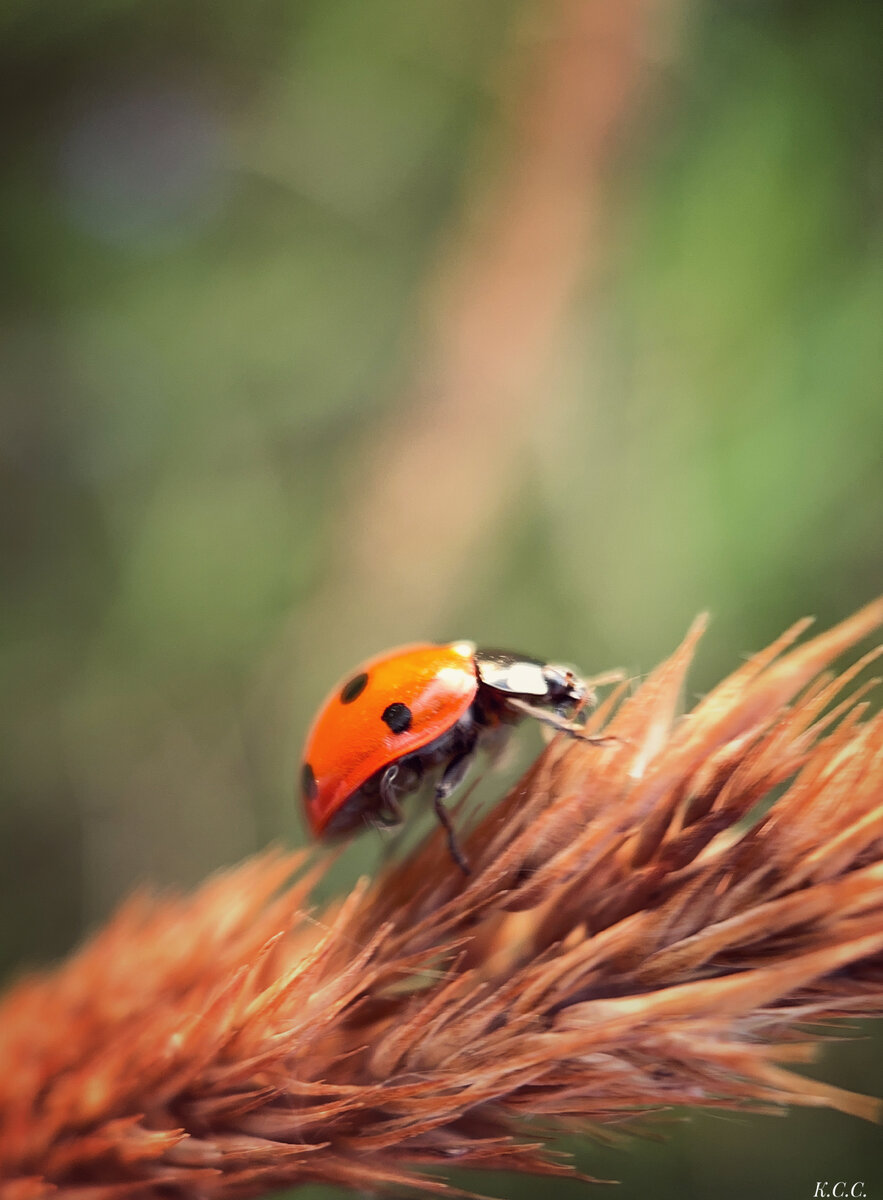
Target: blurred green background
328 324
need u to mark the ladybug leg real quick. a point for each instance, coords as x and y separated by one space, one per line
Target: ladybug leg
390 809
399 779
451 779
561 724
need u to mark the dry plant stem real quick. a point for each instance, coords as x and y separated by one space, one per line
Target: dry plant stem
630 938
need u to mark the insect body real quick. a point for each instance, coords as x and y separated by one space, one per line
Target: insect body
417 708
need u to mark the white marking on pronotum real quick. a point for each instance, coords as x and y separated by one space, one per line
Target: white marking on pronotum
524 678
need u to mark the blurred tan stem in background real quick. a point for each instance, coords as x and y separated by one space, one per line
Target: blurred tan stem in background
493 307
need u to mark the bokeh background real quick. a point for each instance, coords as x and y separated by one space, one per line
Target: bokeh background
328 324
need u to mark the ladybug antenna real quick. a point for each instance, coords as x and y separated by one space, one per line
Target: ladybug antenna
615 676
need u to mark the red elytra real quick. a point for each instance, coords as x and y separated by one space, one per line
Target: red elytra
350 740
416 708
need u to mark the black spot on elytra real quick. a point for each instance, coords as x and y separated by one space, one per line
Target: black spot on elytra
397 717
352 690
308 782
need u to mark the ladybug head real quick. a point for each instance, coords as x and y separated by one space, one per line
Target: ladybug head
567 691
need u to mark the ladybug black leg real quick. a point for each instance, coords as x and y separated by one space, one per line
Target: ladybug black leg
563 726
451 779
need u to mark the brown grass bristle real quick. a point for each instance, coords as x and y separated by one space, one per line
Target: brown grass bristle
640 930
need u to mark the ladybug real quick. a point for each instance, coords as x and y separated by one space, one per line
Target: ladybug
417 708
